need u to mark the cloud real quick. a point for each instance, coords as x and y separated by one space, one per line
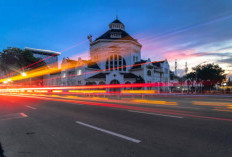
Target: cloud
224 57
226 54
225 48
226 60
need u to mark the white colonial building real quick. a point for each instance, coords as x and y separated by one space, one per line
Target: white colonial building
115 58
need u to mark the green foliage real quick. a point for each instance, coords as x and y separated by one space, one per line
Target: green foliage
191 76
181 80
229 83
206 75
13 59
210 74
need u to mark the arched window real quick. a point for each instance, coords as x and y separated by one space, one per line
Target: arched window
114 89
107 64
79 72
94 83
116 62
88 83
124 65
149 73
101 83
120 62
114 82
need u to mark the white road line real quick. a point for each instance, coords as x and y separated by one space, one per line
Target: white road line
31 107
109 132
11 116
156 114
23 114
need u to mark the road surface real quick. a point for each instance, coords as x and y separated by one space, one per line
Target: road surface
163 126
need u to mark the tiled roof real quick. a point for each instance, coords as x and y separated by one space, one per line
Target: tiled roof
97 76
42 51
157 63
124 35
117 21
130 75
137 65
71 61
93 65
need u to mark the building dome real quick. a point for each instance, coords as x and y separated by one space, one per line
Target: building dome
116 31
116 24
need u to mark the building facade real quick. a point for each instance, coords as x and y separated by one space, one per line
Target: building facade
115 58
49 57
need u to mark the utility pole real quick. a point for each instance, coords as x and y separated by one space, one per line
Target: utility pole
186 67
176 67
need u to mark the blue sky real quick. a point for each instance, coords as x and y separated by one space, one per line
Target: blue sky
196 31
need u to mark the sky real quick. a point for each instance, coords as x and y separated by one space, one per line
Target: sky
192 31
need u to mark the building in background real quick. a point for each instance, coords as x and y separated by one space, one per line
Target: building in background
115 58
51 60
49 57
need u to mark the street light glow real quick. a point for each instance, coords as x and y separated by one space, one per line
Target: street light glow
24 74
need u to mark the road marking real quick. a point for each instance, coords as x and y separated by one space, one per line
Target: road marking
110 132
13 116
31 107
23 114
156 114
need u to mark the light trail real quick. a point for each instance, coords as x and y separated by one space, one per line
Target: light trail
94 86
218 19
27 66
134 108
42 59
96 71
51 70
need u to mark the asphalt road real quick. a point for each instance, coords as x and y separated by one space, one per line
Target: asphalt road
169 126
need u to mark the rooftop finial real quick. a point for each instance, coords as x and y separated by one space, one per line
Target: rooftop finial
116 14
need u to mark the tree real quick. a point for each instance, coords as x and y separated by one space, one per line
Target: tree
229 83
13 59
181 82
209 75
191 78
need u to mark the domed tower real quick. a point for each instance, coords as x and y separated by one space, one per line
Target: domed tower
116 24
115 49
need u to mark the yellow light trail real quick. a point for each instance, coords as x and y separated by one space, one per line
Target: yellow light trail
208 103
41 71
87 91
139 91
154 102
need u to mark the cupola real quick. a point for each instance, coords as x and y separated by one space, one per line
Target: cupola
116 24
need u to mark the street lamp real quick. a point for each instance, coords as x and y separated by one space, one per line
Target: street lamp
24 74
